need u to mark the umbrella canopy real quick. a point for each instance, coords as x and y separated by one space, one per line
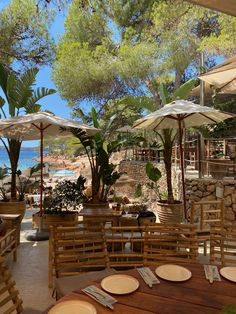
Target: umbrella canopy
181 114
228 6
27 127
39 125
188 113
222 76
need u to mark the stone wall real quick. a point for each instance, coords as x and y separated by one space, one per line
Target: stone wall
136 171
209 189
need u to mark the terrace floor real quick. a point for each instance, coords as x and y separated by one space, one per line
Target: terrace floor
31 270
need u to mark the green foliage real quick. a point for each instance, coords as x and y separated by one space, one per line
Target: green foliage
66 195
116 48
229 309
19 96
99 152
138 191
152 172
24 35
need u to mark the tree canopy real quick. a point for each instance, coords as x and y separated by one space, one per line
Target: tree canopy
115 48
24 35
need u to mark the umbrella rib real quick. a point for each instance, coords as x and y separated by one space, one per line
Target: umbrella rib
227 83
44 128
208 117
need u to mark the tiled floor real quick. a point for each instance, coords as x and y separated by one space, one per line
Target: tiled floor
31 271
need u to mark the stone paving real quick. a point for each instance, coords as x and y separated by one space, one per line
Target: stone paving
31 271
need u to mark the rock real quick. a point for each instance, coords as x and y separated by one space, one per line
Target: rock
229 215
198 193
228 190
194 188
233 198
228 200
234 207
211 188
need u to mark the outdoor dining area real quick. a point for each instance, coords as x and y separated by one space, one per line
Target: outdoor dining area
147 269
129 206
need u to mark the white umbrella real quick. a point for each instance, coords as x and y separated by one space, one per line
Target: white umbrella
222 77
181 114
39 125
228 7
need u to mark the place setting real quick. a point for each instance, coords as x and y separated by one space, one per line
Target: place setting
118 284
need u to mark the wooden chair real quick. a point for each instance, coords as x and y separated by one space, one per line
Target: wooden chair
125 246
73 250
10 301
171 243
8 244
203 215
223 245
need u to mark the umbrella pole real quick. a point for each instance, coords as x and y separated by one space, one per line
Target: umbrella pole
182 167
41 170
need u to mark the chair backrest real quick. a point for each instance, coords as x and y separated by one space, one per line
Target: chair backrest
125 246
169 243
223 245
75 249
10 301
206 213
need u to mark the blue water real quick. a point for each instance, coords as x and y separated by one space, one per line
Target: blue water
26 158
63 173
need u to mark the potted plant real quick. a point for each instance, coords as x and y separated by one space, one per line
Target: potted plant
61 204
18 95
170 210
22 184
99 152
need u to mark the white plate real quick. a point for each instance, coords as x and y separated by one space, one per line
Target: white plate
229 273
173 272
120 284
73 307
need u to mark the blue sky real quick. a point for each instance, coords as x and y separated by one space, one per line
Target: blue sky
54 102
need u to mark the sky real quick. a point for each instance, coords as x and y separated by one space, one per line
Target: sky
53 102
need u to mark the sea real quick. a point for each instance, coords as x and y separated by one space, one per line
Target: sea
26 157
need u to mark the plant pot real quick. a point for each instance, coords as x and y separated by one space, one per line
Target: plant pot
48 220
12 207
96 205
170 213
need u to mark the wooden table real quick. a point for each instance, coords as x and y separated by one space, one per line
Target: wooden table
101 215
195 296
13 222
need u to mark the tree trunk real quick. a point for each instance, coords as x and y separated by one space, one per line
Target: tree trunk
167 154
14 154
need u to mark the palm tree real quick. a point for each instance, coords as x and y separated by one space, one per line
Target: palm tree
20 97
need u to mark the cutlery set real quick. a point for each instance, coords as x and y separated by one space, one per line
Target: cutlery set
148 276
211 273
100 296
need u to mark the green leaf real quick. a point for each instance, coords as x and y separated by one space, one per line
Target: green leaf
164 94
37 95
2 102
152 172
183 91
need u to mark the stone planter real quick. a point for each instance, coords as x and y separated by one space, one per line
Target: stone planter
96 206
169 213
48 220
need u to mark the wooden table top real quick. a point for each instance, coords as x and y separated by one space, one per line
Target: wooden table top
195 296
